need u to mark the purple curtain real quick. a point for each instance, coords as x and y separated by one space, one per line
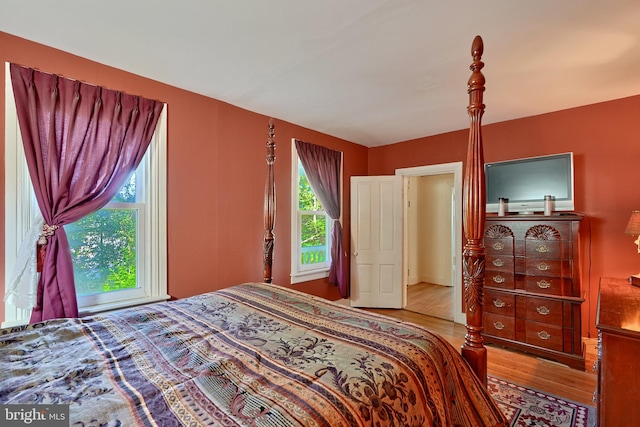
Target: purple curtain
81 143
322 166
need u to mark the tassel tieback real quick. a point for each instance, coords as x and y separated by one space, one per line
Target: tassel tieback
47 231
41 246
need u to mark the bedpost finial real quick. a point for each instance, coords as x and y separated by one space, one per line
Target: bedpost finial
272 127
271 142
477 47
475 85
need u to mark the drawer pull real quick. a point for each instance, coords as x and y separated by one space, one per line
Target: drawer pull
543 284
498 279
498 303
543 310
498 325
544 335
542 249
543 266
498 262
498 246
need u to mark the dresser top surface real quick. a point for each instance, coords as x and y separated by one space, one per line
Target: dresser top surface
535 217
618 306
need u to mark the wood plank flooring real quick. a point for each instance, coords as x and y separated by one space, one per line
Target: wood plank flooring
433 300
520 368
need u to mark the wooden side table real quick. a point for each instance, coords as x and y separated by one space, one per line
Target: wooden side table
618 324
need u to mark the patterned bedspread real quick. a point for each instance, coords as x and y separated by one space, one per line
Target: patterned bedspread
250 355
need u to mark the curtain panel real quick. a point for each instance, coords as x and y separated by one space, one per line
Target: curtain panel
322 166
81 142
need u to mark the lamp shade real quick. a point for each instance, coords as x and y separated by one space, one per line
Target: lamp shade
633 227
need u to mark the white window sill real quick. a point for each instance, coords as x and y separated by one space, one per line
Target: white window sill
309 275
102 308
14 323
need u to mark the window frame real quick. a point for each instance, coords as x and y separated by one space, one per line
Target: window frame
298 273
21 210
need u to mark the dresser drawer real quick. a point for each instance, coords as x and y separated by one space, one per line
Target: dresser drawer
499 325
499 279
547 267
544 335
499 247
548 285
499 302
548 231
547 249
500 263
539 309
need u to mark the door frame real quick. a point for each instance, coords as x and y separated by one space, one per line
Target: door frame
454 168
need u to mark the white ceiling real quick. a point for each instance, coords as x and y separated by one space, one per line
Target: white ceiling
372 72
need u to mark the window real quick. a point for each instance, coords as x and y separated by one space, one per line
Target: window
130 229
311 229
106 249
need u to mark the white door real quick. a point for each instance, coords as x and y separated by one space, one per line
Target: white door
376 247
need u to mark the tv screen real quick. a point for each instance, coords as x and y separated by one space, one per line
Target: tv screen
525 182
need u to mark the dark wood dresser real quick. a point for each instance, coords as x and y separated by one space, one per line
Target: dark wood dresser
532 286
618 363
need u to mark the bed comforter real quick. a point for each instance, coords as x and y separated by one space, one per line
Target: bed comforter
250 355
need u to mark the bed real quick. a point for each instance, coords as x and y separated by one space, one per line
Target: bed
259 354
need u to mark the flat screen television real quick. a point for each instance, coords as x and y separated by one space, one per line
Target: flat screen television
525 182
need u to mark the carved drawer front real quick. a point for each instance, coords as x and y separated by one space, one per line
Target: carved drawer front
499 325
499 247
547 285
540 309
499 302
499 263
499 279
543 248
546 267
544 335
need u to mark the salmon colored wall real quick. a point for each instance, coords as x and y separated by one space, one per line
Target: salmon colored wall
216 175
604 140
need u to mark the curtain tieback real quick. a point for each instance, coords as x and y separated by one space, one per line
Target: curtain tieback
47 231
41 247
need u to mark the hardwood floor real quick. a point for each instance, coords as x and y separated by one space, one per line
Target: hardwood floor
430 299
520 368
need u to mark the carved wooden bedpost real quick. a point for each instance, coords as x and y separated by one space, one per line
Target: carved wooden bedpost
269 204
473 349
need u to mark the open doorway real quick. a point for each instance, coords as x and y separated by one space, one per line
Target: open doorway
432 228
